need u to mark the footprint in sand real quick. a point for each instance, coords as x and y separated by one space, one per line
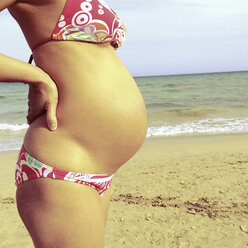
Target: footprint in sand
8 200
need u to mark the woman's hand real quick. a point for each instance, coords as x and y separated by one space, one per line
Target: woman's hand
43 93
43 97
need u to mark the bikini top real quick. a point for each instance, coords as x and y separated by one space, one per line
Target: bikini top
88 21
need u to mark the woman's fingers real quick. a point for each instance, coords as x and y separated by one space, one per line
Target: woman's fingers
32 115
43 97
29 119
51 115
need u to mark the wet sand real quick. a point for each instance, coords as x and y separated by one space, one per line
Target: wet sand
175 192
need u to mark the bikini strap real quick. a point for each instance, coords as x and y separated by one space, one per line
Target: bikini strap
30 59
40 44
36 46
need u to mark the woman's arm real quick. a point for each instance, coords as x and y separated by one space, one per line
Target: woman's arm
13 70
43 95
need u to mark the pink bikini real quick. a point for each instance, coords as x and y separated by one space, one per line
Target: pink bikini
88 21
28 168
85 21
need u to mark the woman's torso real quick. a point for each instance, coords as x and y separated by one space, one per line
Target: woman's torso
101 113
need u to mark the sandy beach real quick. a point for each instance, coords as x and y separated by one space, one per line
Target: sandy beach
175 192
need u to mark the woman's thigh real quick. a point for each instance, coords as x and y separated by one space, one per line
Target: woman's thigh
62 214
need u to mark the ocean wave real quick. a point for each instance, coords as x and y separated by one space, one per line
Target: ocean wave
190 128
208 126
162 105
13 127
195 111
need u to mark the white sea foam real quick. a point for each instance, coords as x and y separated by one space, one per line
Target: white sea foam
9 148
208 126
215 126
13 127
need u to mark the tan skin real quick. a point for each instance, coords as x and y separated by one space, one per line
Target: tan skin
101 123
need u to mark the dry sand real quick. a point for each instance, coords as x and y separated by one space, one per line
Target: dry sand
175 192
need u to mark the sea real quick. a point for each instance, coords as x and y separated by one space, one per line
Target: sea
177 105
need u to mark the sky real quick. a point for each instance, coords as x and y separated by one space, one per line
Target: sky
167 36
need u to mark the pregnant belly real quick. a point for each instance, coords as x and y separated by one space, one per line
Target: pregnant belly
101 117
107 119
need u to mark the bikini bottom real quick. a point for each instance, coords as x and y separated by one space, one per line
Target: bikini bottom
28 168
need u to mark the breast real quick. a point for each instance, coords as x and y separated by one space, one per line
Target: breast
91 21
100 106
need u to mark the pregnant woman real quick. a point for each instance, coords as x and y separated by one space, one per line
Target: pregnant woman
86 115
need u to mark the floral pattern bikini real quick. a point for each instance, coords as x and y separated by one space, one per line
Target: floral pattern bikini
85 21
88 21
28 168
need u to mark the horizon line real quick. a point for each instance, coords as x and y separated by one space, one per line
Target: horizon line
191 73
